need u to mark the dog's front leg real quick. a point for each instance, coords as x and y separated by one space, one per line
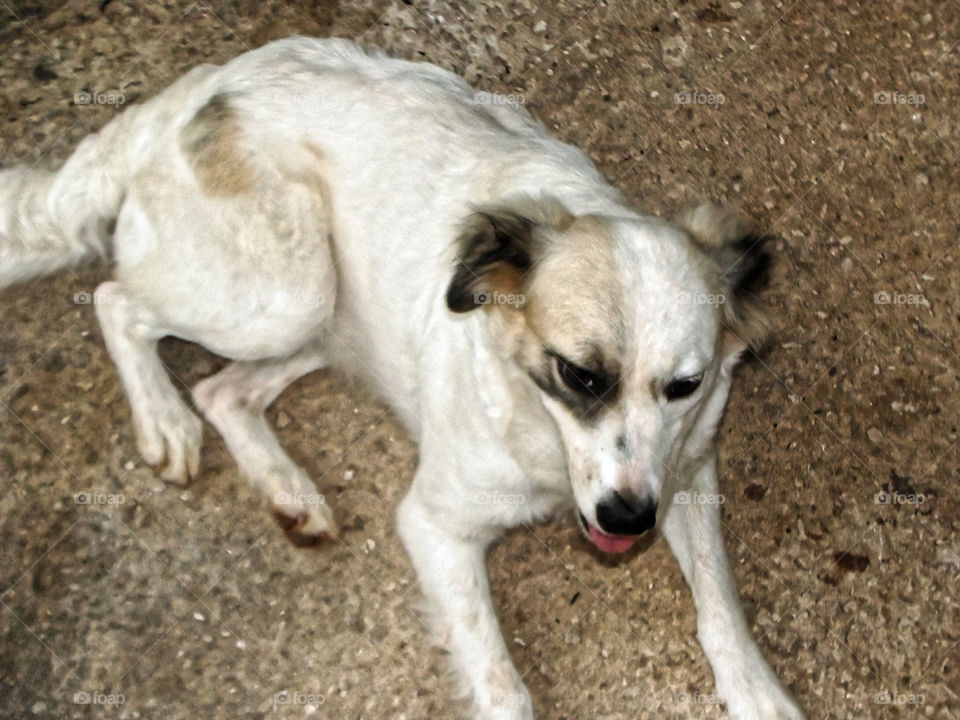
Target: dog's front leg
743 677
449 560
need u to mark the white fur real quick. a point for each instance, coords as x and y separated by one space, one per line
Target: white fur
363 168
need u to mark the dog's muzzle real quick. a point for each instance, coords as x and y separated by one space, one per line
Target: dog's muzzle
621 522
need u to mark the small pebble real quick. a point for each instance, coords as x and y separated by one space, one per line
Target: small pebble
674 51
198 616
875 435
949 557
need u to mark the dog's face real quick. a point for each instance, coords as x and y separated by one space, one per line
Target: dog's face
629 328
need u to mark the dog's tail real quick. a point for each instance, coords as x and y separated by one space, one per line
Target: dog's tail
53 220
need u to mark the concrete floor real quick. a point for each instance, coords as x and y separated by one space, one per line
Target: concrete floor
190 603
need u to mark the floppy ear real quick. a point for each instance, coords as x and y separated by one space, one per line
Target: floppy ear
494 250
497 246
740 264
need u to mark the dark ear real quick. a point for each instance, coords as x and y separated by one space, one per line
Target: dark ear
495 249
740 264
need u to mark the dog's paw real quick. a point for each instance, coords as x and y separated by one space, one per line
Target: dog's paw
756 694
305 525
169 439
504 698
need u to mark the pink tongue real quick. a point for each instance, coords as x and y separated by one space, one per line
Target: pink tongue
611 543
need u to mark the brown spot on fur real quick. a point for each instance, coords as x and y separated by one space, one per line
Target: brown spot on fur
574 302
212 141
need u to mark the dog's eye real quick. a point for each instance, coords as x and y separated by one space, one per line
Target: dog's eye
682 387
580 379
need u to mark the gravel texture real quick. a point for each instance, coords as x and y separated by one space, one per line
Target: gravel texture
189 602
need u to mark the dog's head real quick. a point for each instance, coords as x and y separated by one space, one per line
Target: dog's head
630 327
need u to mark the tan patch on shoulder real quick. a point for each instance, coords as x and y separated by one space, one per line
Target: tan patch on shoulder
212 141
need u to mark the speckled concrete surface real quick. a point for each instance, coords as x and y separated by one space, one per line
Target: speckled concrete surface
188 602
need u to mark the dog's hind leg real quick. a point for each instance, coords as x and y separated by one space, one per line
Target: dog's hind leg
233 400
167 431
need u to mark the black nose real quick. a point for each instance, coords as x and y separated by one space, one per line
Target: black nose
620 515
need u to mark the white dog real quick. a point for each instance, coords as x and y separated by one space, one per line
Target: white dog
311 204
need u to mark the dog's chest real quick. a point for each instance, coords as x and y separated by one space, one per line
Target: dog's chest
530 437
